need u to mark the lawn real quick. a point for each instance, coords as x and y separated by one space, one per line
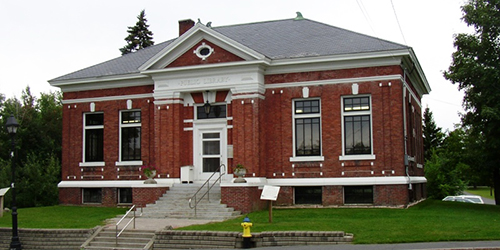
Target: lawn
481 191
428 221
61 217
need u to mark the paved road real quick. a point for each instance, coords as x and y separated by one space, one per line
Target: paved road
466 245
486 200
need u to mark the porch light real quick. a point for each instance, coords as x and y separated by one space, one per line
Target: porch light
207 106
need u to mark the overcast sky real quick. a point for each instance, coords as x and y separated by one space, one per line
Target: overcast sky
42 40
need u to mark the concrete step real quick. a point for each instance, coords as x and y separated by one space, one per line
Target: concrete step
175 204
129 239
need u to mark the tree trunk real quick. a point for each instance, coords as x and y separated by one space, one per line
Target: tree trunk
496 185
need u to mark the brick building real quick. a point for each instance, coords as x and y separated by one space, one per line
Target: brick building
331 116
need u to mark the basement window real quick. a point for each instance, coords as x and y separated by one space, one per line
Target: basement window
358 195
92 195
125 196
308 195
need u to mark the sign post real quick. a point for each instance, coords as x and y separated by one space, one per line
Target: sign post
3 191
270 193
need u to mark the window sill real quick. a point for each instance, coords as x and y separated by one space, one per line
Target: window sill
356 157
306 158
128 163
92 164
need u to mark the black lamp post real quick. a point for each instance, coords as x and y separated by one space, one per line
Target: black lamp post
12 126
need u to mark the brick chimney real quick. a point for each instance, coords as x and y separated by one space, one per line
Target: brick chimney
185 25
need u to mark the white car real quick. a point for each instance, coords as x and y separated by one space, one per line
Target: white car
465 198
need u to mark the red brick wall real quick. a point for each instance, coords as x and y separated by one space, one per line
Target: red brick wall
245 134
70 196
333 195
261 133
72 153
244 199
173 145
285 197
109 197
333 74
390 195
108 92
143 196
276 140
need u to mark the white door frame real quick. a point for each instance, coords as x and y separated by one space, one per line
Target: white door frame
199 130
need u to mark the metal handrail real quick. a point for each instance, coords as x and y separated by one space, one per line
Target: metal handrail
132 209
209 187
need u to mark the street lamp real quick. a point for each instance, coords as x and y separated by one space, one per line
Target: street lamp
12 126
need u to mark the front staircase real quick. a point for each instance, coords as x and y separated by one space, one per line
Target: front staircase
175 204
105 239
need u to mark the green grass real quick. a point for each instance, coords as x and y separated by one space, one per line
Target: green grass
481 191
61 217
428 221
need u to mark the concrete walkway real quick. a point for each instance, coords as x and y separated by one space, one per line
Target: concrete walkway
156 223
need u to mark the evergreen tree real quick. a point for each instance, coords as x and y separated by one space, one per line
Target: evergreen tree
476 70
139 36
433 136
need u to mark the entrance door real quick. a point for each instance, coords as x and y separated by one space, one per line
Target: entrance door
211 151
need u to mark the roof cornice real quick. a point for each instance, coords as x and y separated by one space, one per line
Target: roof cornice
239 64
117 81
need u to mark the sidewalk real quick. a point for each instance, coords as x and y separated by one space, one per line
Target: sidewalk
465 245
155 223
452 245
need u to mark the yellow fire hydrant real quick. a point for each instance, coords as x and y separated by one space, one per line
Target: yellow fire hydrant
247 236
246 227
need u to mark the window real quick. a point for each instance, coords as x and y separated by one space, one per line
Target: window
93 134
216 111
308 195
130 128
357 126
307 127
358 195
92 195
203 51
125 196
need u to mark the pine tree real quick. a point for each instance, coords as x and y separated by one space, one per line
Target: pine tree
433 136
139 36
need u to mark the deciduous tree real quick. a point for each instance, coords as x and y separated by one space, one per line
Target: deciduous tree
476 70
38 147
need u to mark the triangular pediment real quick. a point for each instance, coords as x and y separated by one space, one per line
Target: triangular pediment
192 48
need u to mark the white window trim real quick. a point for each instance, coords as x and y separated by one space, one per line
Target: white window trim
370 156
85 127
92 164
306 158
296 158
120 126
